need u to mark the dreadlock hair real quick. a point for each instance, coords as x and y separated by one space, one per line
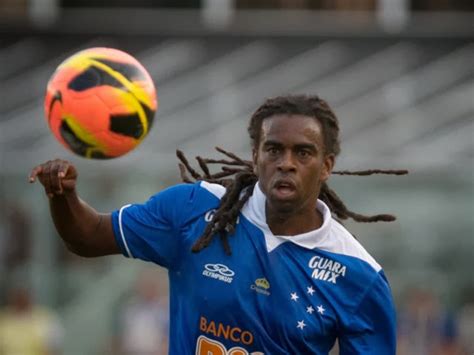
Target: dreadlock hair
238 176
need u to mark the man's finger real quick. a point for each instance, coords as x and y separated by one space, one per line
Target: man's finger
54 177
63 168
62 171
34 172
45 178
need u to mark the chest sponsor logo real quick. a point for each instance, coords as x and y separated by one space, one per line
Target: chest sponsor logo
220 330
326 269
208 346
261 286
219 272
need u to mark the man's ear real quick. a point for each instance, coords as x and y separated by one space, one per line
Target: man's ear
254 160
328 165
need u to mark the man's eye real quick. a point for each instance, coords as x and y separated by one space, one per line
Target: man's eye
303 153
272 150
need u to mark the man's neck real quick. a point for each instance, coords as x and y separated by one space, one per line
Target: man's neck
291 223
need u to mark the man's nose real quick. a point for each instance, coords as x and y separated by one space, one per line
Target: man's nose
286 162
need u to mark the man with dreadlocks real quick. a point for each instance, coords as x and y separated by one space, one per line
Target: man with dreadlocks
257 263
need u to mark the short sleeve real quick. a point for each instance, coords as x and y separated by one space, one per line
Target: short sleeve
372 329
151 231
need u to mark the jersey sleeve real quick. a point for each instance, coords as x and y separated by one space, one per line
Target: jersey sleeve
151 231
372 329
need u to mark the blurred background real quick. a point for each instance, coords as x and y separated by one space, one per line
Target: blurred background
398 73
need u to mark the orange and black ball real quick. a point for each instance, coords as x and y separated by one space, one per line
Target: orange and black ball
100 103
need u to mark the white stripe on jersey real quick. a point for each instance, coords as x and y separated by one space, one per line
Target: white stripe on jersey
121 231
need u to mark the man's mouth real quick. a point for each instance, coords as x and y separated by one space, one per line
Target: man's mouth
284 187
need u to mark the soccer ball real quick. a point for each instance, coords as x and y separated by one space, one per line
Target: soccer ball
100 103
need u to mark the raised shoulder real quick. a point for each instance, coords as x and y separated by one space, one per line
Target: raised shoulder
215 189
341 241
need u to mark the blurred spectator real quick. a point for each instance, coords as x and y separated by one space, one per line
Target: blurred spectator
15 242
466 321
27 328
425 328
143 319
17 236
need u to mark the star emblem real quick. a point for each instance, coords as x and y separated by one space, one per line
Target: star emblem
310 290
301 324
321 309
294 296
310 309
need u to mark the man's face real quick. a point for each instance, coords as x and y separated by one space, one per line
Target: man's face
290 162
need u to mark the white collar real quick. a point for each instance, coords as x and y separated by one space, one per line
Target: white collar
254 211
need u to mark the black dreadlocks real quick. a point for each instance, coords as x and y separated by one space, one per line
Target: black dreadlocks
238 176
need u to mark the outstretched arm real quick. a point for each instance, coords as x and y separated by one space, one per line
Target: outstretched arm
84 231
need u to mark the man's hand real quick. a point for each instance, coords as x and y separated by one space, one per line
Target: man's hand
57 176
85 231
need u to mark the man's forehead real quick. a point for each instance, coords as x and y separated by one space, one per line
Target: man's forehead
291 125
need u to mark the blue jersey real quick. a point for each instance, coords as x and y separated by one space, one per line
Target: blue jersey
274 294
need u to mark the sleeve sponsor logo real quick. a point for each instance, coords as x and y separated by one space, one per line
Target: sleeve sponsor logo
219 272
208 217
326 269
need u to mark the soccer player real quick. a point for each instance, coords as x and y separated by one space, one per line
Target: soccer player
258 262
